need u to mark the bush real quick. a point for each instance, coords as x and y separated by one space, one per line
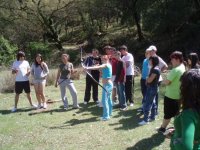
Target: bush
7 82
7 52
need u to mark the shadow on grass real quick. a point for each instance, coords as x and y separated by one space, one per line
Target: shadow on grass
129 120
148 143
74 122
6 112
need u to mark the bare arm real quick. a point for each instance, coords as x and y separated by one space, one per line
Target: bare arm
96 67
167 82
57 77
151 78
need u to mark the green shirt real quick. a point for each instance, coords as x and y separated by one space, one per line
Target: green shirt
173 89
187 131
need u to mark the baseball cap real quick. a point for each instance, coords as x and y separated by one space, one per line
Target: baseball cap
123 47
151 48
107 47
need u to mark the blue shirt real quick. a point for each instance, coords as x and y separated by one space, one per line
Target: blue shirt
145 68
107 72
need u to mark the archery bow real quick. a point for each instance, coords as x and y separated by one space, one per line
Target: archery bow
89 73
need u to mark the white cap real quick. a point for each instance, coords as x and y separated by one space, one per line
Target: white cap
151 48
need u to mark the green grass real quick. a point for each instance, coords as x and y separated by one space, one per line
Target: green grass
76 129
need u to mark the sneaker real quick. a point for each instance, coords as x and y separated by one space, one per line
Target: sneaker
131 104
85 103
97 102
152 119
123 109
39 106
76 107
65 108
104 119
100 104
14 109
140 109
143 123
34 106
161 130
45 105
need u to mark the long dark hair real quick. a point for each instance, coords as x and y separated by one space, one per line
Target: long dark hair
190 85
154 60
194 60
36 63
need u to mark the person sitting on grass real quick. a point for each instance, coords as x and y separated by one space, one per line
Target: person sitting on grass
107 84
186 132
152 90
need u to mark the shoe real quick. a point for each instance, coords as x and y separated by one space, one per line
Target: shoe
39 106
85 103
143 123
161 130
123 109
152 119
65 108
14 109
45 105
140 109
34 106
100 104
131 104
76 107
97 102
104 119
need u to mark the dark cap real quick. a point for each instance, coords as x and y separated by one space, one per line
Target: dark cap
123 47
21 53
112 48
107 47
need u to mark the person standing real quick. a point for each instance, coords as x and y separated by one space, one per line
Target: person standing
193 61
39 71
145 73
63 80
129 84
106 68
21 70
172 93
149 105
162 65
92 61
186 132
120 80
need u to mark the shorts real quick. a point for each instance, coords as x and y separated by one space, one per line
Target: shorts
171 107
22 85
113 79
36 81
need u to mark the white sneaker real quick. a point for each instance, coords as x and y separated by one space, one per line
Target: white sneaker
39 106
143 123
131 104
85 103
34 106
45 105
100 104
14 109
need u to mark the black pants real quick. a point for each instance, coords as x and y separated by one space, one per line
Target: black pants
91 84
129 86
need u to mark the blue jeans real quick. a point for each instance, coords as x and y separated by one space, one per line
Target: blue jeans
107 100
121 94
143 88
150 103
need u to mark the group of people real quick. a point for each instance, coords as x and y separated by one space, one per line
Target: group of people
116 67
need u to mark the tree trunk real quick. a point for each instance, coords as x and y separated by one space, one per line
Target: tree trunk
139 29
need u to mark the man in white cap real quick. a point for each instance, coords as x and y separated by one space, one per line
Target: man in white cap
162 66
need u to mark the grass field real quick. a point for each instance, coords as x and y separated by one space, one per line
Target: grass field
80 129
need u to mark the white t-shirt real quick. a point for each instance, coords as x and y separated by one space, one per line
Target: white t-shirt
130 60
22 68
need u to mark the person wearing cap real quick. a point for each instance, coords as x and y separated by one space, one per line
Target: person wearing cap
21 70
162 66
91 61
129 84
